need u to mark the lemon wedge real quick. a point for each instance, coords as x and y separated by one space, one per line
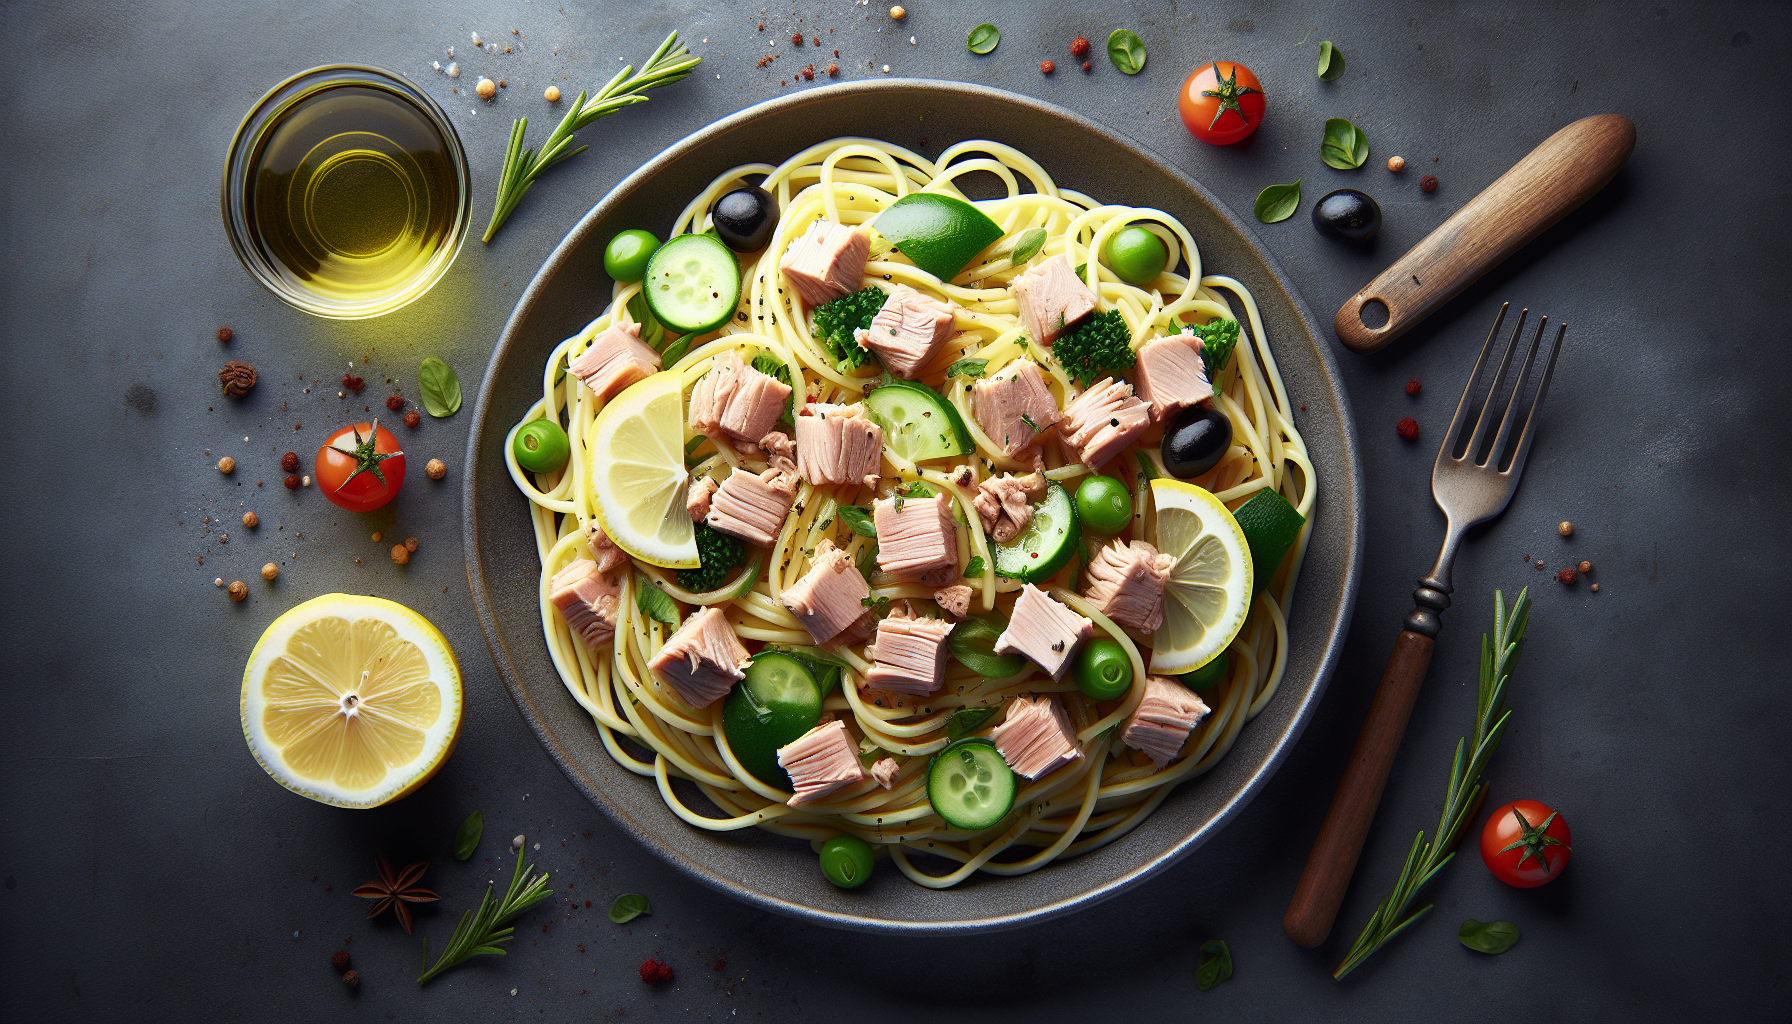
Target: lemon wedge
638 475
1209 592
351 701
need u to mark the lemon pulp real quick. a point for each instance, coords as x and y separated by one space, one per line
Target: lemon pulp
1209 591
638 474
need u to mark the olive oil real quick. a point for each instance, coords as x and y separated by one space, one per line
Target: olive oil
353 194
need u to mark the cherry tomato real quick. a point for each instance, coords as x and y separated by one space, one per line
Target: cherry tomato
1221 102
360 467
1525 843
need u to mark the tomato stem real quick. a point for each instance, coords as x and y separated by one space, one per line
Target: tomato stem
1534 841
367 460
1228 93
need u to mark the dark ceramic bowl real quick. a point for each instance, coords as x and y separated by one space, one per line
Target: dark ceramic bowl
780 874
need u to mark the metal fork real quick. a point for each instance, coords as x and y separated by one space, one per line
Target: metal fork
1470 488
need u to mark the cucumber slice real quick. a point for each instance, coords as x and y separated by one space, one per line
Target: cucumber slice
693 284
777 702
1270 527
969 785
1047 543
918 424
938 233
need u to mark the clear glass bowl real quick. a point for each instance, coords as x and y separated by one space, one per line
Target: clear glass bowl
257 255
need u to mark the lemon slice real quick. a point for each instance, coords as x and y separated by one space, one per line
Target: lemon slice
351 701
1209 592
638 475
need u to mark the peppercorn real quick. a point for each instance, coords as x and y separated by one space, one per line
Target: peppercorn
339 959
436 469
290 462
1412 386
796 39
353 383
411 418
226 465
486 88
1407 428
376 536
1396 164
1087 67
237 378
224 335
251 520
292 482
655 971
1079 47
552 95
410 544
394 402
238 590
351 978
1566 529
1046 67
270 572
1586 567
1567 577
1594 588
1428 183
399 554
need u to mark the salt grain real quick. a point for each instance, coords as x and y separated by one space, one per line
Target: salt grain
454 71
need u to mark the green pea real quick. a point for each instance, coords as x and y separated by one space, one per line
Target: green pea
846 861
1104 505
625 258
1136 255
1103 670
1210 674
541 446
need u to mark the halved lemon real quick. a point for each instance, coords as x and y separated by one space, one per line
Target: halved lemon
638 475
1209 592
351 701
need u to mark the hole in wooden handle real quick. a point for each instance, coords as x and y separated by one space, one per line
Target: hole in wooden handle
1374 314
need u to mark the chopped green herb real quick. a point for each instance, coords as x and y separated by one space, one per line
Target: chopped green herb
1027 246
718 554
1492 937
974 567
466 838
440 387
967 368
836 321
1218 339
965 721
858 520
1214 965
654 602
1100 348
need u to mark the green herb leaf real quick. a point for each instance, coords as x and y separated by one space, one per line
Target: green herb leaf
1027 246
1100 348
1126 50
965 721
858 520
974 567
466 838
915 489
652 334
1278 202
1214 965
1331 62
1344 145
654 602
967 368
1218 339
984 38
675 349
717 555
837 321
1492 937
440 387
483 931
774 368
973 643
628 907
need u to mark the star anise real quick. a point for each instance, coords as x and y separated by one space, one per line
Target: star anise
396 890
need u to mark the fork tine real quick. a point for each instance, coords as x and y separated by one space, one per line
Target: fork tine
1512 409
1472 452
1530 422
1456 422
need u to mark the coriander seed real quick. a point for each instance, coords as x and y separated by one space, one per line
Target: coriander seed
226 465
486 88
410 543
399 554
251 520
898 12
1396 164
552 95
238 590
1586 567
1566 529
270 572
412 418
435 469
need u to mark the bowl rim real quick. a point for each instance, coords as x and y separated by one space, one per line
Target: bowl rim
1350 571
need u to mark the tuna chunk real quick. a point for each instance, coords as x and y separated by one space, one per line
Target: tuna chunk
836 444
827 262
1103 421
1014 406
884 771
1051 298
588 600
779 450
614 360
916 538
955 599
1160 725
697 496
821 761
703 659
1171 375
1036 736
609 557
1002 504
910 653
736 400
753 507
908 331
829 598
1044 630
1126 581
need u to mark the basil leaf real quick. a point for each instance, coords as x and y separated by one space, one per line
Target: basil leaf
628 907
858 520
915 489
973 643
654 602
1278 202
967 368
1344 146
1126 50
652 334
676 349
1492 937
967 720
1214 965
440 387
825 667
1027 246
984 38
1331 62
974 567
466 838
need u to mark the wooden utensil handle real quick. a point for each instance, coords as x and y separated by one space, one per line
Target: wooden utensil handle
1539 190
1333 860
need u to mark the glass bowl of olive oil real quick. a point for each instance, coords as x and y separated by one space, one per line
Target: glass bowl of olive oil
346 192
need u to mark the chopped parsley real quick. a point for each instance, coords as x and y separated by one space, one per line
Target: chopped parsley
1100 348
967 368
718 554
1218 339
774 368
836 321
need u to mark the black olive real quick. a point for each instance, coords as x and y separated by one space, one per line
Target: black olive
745 218
1196 441
1347 214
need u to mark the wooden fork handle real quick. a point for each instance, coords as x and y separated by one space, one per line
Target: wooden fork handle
1539 190
1333 860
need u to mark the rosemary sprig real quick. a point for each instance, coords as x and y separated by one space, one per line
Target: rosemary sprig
1499 653
483 931
670 63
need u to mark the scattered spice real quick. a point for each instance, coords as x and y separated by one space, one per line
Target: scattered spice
353 383
339 959
1412 386
410 544
833 70
1539 563
898 12
796 39
1594 588
1087 67
1407 428
436 469
1046 67
223 538
1566 529
238 590
400 555
394 402
396 890
412 418
224 335
351 978
237 378
1079 47
292 482
290 462
226 465
809 73
1586 567
1396 164
1428 183
552 95
270 572
486 88
655 971
1567 577
251 520
376 536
